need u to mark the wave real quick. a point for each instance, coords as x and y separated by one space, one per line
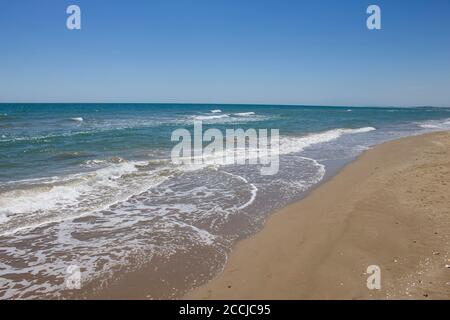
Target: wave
160 222
234 118
77 119
434 124
91 129
287 145
298 144
206 118
48 136
87 131
35 203
428 126
93 163
216 111
244 114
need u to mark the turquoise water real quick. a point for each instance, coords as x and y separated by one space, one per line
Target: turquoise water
93 185
37 140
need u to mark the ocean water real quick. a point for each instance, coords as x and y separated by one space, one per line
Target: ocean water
92 185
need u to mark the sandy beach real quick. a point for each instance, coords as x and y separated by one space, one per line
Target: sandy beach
390 208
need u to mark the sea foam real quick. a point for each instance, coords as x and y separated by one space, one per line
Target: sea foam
297 144
435 124
244 114
206 118
37 203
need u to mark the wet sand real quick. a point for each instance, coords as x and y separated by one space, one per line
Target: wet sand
390 208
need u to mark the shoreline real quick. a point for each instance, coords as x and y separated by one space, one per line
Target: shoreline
387 208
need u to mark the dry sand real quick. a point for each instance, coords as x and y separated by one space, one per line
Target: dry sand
390 207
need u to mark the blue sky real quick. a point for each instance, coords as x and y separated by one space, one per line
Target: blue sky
315 52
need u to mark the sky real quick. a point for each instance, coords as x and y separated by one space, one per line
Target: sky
310 52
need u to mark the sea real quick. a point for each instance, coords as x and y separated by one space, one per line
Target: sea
88 192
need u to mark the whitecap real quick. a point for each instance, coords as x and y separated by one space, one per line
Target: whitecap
68 197
287 145
298 144
435 124
206 118
244 114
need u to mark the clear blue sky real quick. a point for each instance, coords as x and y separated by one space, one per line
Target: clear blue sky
226 51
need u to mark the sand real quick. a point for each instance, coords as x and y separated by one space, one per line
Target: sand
390 208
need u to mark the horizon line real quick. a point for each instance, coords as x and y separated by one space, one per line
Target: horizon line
231 104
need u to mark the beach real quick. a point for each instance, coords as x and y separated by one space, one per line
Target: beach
97 197
389 208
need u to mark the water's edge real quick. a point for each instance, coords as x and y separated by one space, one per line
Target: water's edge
334 168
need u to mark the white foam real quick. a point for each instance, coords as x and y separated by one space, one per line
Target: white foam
38 199
225 118
321 170
3 218
45 197
74 196
244 114
206 118
428 126
435 124
288 144
298 144
254 191
43 137
94 163
78 119
216 111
